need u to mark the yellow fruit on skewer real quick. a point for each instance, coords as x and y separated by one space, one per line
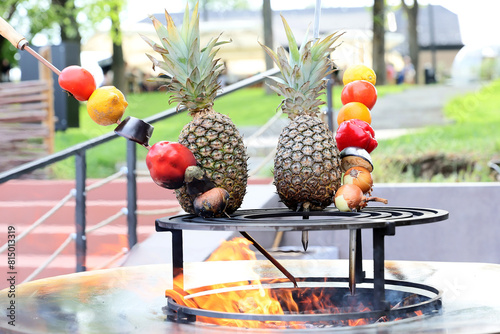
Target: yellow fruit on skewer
359 72
106 105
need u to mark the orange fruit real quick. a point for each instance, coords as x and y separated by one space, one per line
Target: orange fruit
354 110
106 105
359 72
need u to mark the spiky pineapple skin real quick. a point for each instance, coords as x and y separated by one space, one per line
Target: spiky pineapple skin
219 149
306 165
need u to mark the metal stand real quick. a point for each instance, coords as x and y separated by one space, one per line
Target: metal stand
330 219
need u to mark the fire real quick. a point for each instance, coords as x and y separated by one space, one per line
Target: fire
260 301
257 301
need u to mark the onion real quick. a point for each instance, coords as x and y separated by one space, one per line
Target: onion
360 177
211 203
348 197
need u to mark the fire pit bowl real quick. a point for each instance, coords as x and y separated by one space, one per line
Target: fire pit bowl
338 307
383 221
130 299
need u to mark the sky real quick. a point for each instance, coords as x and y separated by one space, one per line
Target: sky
479 23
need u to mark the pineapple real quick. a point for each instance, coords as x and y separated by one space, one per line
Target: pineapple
307 164
211 136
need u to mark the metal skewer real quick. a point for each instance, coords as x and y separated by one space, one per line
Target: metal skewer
305 234
270 258
20 42
352 261
305 240
24 46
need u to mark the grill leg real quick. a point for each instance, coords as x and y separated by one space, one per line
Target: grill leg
177 255
360 274
378 269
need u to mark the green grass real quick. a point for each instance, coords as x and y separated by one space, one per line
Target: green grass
247 107
472 135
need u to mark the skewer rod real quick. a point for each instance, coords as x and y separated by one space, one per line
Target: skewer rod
352 261
263 251
20 42
42 60
317 12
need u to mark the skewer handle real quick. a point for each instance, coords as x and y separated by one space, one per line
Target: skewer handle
15 38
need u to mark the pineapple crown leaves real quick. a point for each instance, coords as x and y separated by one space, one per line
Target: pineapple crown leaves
303 70
193 71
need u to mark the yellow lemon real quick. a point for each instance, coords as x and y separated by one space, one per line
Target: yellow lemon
359 72
106 105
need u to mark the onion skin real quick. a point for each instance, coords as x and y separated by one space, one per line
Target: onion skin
197 181
212 203
348 197
359 176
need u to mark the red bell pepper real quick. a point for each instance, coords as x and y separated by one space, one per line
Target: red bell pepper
355 132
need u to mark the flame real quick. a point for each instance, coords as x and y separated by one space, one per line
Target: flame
261 300
257 301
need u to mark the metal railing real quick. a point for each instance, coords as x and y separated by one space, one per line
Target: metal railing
80 192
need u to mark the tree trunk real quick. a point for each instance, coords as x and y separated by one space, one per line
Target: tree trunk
378 52
69 32
70 36
118 64
118 68
413 47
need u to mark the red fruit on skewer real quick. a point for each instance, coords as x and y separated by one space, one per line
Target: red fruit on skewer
359 91
77 81
167 163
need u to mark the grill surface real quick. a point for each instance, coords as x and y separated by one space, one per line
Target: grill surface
286 220
382 220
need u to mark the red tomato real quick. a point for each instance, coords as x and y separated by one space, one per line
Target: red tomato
77 81
167 163
359 91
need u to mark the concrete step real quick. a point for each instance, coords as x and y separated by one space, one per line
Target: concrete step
96 211
46 190
22 202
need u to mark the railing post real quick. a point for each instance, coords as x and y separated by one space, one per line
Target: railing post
131 193
80 210
329 103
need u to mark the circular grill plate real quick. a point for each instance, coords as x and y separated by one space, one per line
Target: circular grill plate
279 219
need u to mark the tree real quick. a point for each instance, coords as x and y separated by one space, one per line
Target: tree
413 47
62 15
378 52
7 50
66 13
218 6
118 66
111 9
